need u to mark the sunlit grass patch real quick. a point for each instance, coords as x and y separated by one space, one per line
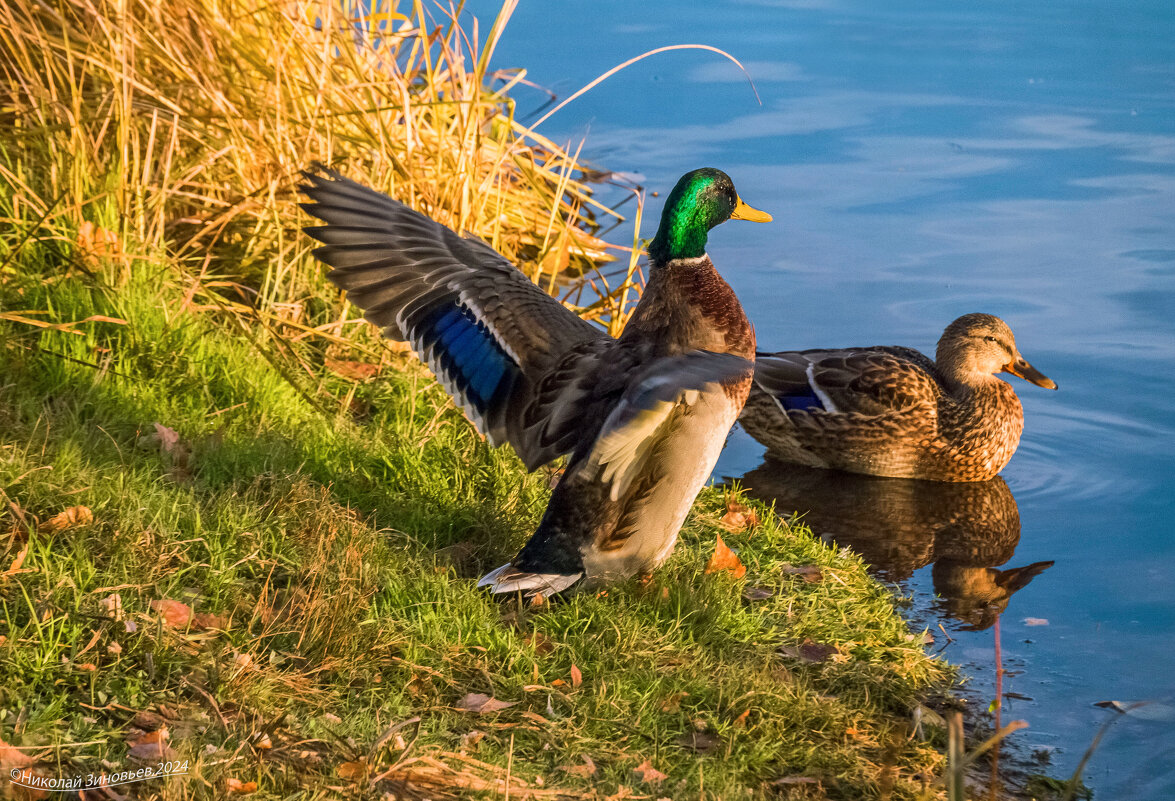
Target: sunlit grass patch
325 564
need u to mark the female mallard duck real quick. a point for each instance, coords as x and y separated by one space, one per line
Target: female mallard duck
643 417
891 411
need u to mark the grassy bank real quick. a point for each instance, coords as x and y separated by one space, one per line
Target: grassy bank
327 561
237 528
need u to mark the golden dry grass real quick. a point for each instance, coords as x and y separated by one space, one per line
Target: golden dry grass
180 127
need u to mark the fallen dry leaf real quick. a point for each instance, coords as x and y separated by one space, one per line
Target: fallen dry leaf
700 742
586 770
112 605
739 516
72 517
757 593
151 752
809 651
11 757
725 560
358 371
96 243
238 787
174 613
540 642
352 771
160 735
89 667
809 573
471 738
576 676
741 721
17 562
169 439
148 720
673 702
647 773
207 620
481 703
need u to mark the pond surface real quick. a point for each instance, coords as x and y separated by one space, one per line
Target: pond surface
924 160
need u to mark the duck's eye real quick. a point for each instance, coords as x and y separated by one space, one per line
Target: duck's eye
989 339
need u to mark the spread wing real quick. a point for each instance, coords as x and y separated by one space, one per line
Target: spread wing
511 356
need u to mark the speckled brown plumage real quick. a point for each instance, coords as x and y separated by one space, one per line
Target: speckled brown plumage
891 411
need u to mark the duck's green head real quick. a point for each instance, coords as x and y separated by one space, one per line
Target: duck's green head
702 199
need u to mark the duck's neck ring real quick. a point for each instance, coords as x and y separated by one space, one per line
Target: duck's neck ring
687 261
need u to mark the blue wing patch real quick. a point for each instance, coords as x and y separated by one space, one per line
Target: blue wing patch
800 403
467 353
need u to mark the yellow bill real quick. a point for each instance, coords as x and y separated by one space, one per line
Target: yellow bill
744 212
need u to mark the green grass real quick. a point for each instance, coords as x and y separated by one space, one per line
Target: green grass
338 549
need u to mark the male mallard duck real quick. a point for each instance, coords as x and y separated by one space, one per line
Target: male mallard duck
643 416
891 411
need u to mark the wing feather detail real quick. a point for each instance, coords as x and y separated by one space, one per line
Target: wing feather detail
665 388
490 336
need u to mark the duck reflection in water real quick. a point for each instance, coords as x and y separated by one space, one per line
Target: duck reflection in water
899 525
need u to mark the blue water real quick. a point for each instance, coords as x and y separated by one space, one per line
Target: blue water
923 160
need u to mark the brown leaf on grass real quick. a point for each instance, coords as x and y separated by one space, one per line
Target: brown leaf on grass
471 738
540 642
177 453
741 721
174 613
358 371
151 752
811 574
673 702
481 704
700 742
72 517
88 667
207 620
238 787
169 439
725 560
352 771
809 651
648 774
739 516
160 735
147 720
17 562
576 676
112 605
21 779
758 593
95 242
11 757
586 770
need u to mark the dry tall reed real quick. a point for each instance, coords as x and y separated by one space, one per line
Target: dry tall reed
177 129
